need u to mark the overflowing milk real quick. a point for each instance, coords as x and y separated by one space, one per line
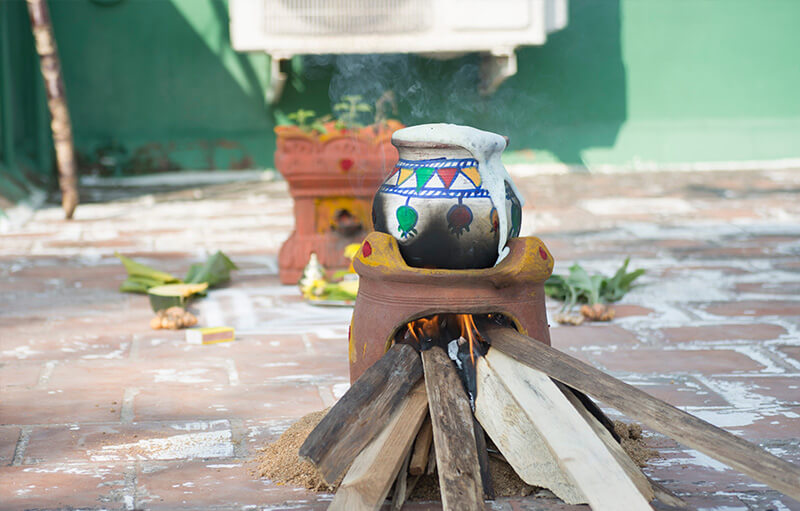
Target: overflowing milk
486 148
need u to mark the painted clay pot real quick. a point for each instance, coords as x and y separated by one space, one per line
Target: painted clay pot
436 205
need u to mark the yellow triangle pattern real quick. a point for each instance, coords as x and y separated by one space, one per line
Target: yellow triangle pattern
473 175
404 175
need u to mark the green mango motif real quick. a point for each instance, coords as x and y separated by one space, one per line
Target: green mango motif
407 218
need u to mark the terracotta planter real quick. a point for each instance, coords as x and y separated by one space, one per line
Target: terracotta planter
332 179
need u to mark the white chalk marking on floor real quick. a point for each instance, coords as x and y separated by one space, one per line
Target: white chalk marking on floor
243 309
233 374
47 372
308 344
209 444
126 411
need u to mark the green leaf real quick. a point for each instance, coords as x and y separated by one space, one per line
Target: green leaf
130 286
587 289
617 286
215 271
142 277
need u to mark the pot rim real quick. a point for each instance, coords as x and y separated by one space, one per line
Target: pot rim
433 145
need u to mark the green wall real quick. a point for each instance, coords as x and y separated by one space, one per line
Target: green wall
155 85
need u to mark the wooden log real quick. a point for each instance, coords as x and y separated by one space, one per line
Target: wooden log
372 473
667 497
431 459
517 438
453 434
595 410
628 465
600 423
422 447
656 414
575 446
361 413
483 460
401 484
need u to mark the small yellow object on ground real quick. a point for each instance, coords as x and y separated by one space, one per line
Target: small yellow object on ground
210 335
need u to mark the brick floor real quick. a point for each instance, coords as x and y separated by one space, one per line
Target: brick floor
97 411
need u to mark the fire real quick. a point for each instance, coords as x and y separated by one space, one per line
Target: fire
442 328
468 330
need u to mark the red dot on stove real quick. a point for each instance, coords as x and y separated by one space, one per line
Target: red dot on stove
366 249
543 253
346 164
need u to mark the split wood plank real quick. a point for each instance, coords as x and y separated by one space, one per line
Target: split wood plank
628 465
422 447
598 421
401 485
431 459
373 471
575 446
595 410
517 438
453 434
483 460
361 413
656 414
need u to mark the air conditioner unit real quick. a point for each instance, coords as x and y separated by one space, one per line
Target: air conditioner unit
284 28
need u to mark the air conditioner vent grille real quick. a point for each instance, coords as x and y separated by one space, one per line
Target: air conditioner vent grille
338 17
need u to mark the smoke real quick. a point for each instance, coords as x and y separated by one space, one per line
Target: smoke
425 89
429 89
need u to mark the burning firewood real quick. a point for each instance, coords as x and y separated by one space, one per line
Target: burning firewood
517 437
578 451
362 412
372 473
458 466
422 447
528 398
662 417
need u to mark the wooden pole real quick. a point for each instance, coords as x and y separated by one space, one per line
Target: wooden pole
578 451
362 412
453 434
372 473
422 447
57 103
662 417
518 438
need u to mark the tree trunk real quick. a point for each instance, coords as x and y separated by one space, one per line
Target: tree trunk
56 102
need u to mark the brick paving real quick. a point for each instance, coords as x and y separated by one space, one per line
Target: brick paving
99 412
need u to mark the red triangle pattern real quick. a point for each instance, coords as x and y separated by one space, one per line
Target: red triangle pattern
448 175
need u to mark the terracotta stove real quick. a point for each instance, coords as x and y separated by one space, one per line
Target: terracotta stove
332 183
391 294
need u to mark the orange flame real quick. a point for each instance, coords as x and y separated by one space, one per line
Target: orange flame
431 328
468 328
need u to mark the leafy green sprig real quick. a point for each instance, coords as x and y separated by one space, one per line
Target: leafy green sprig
580 287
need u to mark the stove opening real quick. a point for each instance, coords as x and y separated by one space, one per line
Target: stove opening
457 335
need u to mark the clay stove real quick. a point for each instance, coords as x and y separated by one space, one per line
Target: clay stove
392 294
